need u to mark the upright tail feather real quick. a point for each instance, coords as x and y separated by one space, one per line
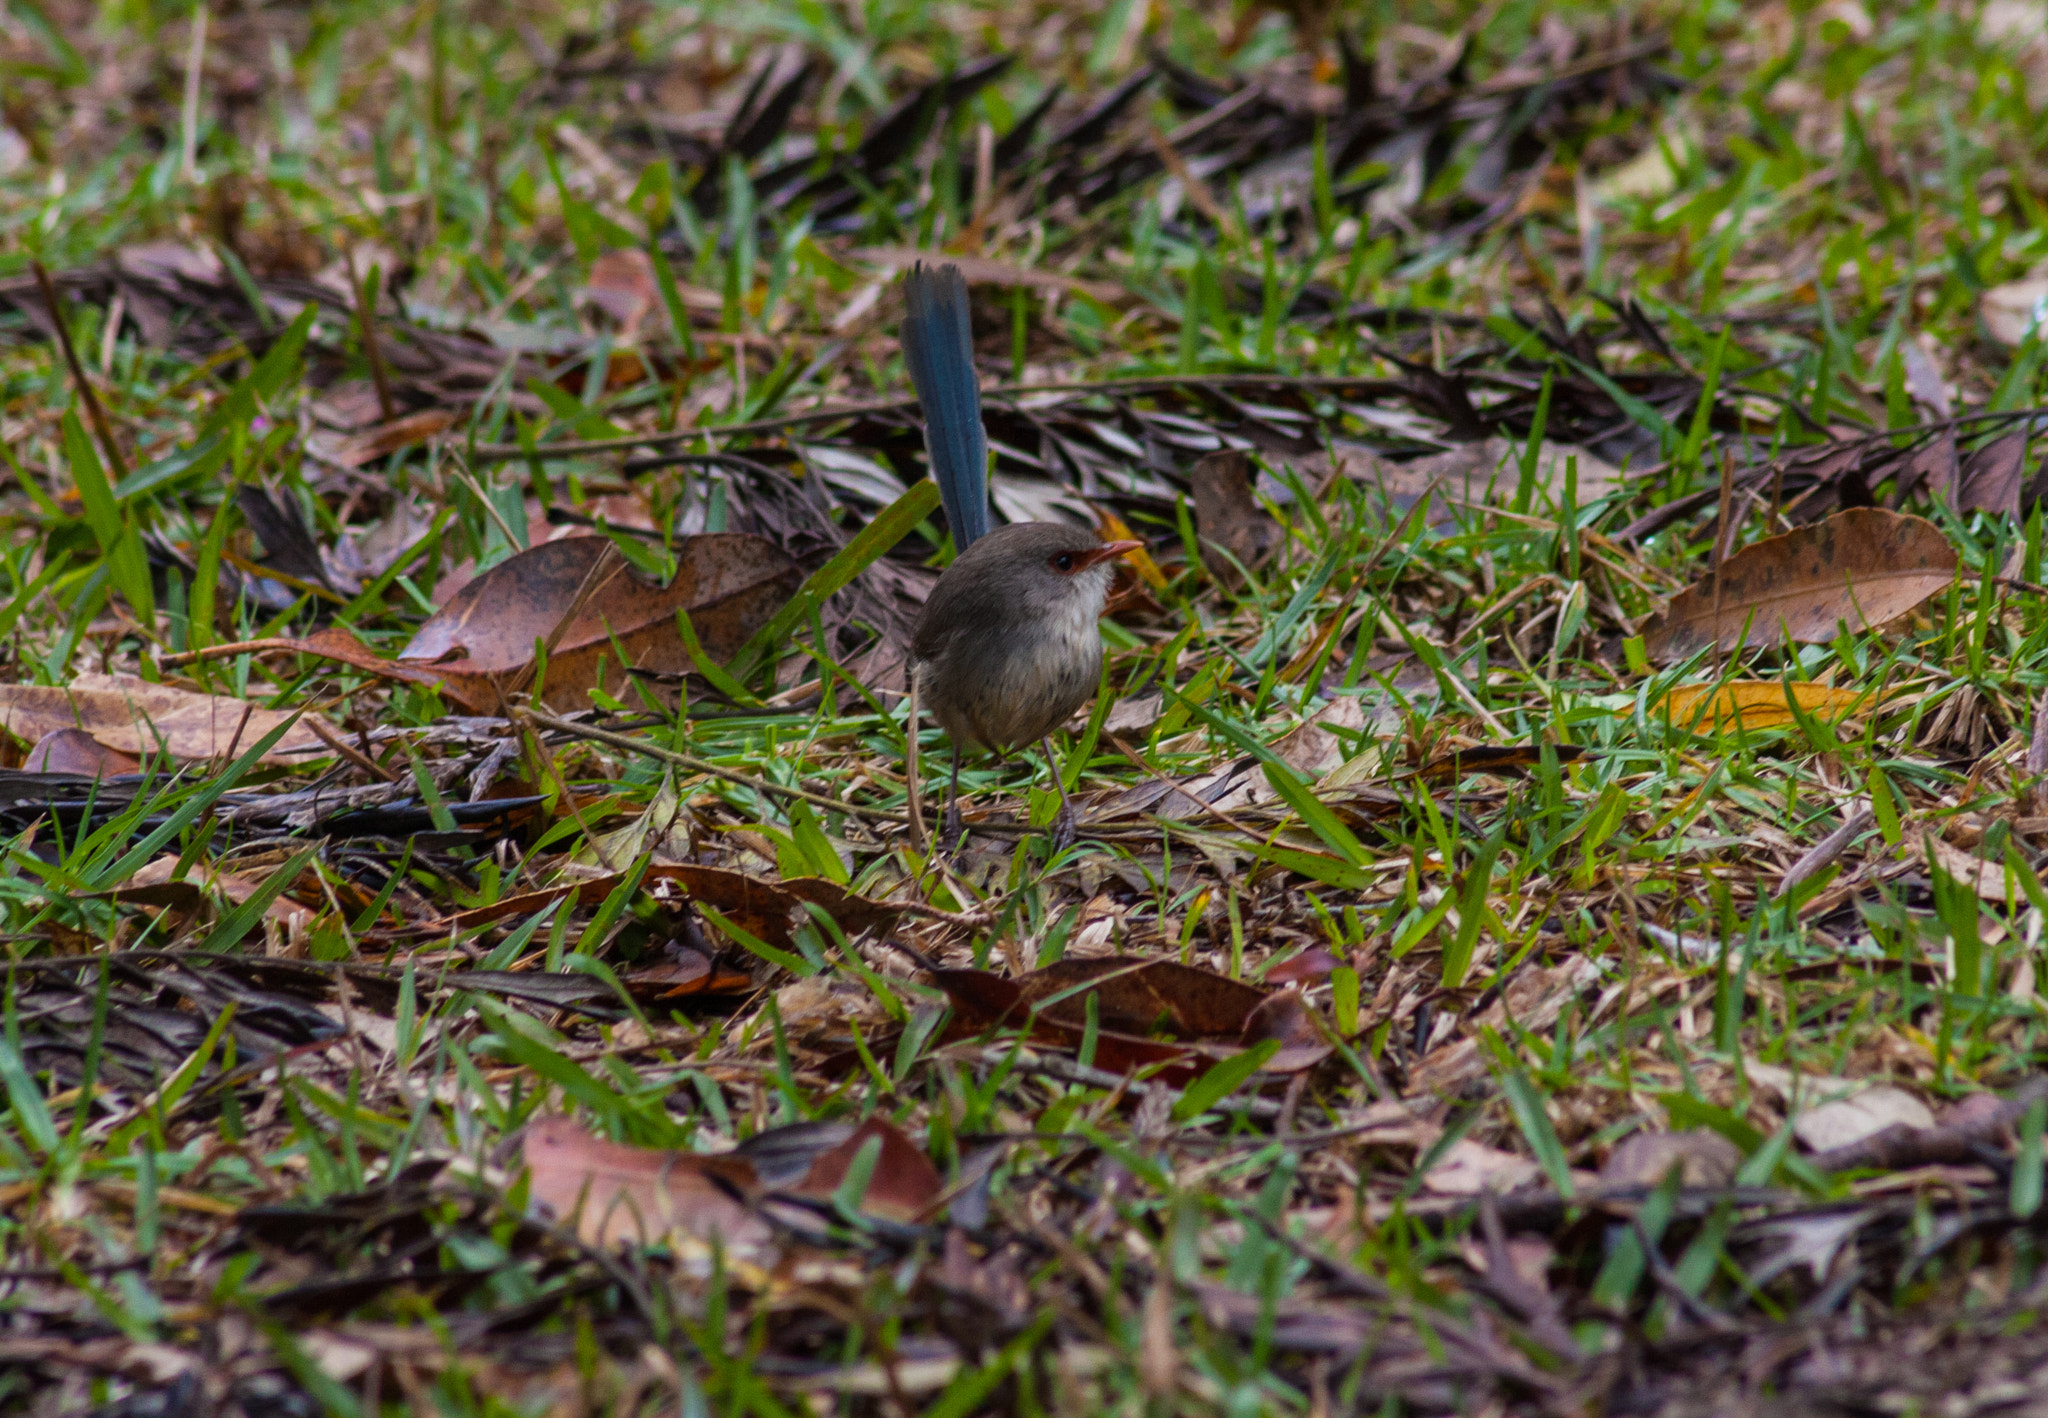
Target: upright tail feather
938 346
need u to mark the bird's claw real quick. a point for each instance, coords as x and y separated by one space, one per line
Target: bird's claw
1062 830
952 833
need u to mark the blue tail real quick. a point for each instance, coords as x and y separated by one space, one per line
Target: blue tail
938 345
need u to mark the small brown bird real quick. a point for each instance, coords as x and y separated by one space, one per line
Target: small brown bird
1007 646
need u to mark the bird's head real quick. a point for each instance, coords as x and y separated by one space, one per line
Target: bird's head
1044 564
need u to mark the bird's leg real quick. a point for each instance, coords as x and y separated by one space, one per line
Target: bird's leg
950 832
1062 825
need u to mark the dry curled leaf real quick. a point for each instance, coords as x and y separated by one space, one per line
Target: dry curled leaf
1861 567
577 596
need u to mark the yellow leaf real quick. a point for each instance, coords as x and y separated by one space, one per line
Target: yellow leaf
1753 704
1112 528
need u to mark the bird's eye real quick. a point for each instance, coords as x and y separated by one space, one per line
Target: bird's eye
1063 562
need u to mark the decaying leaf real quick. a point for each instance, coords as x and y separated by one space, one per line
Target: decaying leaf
485 637
1753 704
1235 530
642 1195
1533 1000
1646 1159
1148 1011
134 717
904 1185
638 1195
1864 567
1990 479
774 910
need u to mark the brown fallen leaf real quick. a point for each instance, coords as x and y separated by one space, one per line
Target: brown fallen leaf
484 637
687 973
1864 567
1533 1000
1934 465
1475 473
1992 477
774 910
1752 704
76 751
328 643
1234 529
1315 963
134 717
1204 1015
640 1195
904 1186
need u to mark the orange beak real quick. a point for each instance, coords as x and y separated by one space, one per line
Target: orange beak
1108 550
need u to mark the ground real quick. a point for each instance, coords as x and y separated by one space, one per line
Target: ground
1554 924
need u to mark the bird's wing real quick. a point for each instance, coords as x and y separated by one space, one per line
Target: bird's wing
938 345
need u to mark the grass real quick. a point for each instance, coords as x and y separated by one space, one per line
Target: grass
262 1139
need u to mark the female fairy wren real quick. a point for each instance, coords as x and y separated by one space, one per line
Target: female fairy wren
1007 645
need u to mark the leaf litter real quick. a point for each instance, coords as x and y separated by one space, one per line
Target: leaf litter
460 860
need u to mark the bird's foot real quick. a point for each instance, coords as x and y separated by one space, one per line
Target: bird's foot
952 833
1062 829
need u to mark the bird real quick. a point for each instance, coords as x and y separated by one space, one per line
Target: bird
1007 645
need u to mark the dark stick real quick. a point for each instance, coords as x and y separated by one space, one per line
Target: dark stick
115 462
